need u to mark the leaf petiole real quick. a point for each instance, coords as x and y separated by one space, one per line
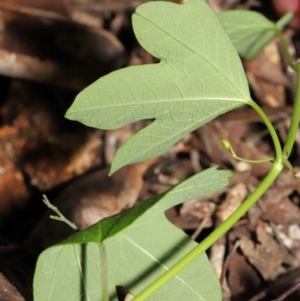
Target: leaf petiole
292 132
227 146
270 127
284 20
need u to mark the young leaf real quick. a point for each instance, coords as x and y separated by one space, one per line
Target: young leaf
135 247
199 77
250 31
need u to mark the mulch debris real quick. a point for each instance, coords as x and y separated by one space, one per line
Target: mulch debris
49 51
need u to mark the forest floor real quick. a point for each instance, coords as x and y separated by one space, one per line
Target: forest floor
51 50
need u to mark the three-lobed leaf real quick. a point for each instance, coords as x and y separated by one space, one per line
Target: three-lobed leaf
131 249
199 77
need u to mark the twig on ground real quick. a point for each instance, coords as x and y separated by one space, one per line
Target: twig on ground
4 249
259 296
288 292
201 226
59 216
227 261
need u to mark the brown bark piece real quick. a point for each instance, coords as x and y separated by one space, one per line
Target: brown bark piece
47 147
13 190
60 7
59 163
7 291
58 52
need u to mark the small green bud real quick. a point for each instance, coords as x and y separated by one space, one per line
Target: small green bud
226 144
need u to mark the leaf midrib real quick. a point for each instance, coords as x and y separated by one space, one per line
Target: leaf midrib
162 265
159 102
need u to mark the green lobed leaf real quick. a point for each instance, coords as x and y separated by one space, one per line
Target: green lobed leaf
250 31
139 245
199 77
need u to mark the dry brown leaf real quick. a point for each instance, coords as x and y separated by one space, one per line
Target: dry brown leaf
93 197
241 276
234 198
266 78
275 203
267 256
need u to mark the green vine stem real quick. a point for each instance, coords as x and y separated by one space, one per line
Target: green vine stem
287 164
285 19
214 236
269 125
292 132
279 162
